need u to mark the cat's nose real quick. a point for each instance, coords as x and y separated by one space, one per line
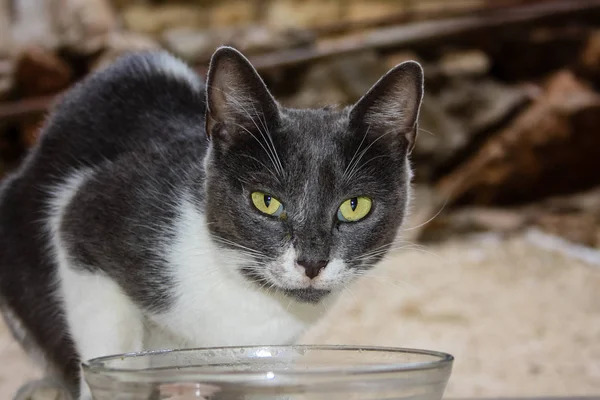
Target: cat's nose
312 268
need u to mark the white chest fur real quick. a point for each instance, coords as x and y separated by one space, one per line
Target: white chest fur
215 305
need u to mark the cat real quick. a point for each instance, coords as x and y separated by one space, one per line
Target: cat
161 210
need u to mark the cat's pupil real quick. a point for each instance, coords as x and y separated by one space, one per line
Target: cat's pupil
354 203
267 200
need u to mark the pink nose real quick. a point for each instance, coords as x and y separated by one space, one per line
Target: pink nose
312 268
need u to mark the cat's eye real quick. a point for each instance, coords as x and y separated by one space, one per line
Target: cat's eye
267 204
354 209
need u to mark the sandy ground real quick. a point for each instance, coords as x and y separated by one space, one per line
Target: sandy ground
520 320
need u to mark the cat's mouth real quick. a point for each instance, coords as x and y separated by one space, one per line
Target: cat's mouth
304 295
307 295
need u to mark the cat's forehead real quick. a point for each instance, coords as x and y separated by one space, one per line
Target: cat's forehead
314 136
313 145
319 122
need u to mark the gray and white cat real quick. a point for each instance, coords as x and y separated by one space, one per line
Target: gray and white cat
160 212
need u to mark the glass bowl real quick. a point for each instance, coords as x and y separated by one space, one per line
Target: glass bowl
270 373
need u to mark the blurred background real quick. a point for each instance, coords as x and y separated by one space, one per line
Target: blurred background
499 263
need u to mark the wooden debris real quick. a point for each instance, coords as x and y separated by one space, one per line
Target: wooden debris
40 71
84 26
465 30
461 115
511 106
590 56
550 148
30 131
119 43
575 218
6 77
469 30
155 19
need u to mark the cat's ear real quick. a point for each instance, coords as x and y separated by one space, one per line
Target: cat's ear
391 106
236 95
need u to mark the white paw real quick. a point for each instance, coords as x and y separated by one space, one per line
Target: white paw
44 389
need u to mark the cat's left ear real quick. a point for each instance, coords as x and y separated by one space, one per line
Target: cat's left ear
236 96
391 106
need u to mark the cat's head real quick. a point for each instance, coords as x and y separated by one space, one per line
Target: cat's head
306 200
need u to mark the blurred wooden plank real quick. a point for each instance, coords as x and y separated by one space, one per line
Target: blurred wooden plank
20 108
528 398
409 35
413 34
435 10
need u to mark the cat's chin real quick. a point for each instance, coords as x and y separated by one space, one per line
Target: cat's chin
301 295
307 295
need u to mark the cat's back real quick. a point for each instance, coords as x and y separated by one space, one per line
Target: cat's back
144 107
143 99
144 103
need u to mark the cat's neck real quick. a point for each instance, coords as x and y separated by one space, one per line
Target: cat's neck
208 286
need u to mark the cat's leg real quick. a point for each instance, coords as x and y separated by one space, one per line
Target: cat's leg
102 319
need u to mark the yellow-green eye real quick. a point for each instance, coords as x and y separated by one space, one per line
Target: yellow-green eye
267 204
354 209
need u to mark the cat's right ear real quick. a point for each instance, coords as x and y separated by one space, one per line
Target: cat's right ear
238 100
391 107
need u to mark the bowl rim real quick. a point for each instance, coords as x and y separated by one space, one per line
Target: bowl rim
440 361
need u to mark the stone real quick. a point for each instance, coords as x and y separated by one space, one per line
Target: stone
6 40
32 24
548 149
456 115
440 137
39 71
358 72
464 63
481 103
573 217
153 20
7 80
194 45
6 50
83 26
361 10
578 228
317 89
30 131
339 81
449 6
119 43
590 56
78 26
303 13
469 221
233 13
393 59
255 39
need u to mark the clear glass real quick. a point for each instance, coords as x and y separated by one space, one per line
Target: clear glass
46 388
271 373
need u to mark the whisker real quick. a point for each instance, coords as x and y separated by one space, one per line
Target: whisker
260 143
270 148
234 244
397 245
356 152
385 279
426 131
430 219
362 153
363 165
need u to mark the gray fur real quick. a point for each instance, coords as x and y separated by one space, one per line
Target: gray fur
139 134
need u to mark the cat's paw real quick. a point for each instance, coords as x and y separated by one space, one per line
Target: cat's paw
44 389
